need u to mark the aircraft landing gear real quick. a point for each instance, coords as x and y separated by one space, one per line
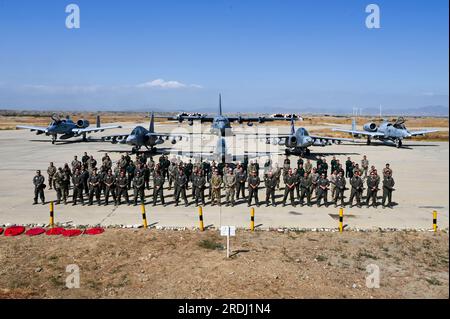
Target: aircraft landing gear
398 143
53 139
368 140
287 152
84 137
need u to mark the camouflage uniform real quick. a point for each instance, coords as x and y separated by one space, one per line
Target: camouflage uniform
230 187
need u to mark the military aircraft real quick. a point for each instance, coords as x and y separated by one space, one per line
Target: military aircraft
387 132
67 128
140 136
221 154
220 123
298 140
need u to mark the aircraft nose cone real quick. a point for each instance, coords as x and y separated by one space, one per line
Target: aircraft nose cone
131 140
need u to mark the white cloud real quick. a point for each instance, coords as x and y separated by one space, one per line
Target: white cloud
161 83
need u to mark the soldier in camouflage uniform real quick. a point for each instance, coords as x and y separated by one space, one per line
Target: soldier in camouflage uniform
314 181
76 164
305 189
270 181
65 183
110 186
241 177
138 187
172 172
216 183
51 171
365 165
94 187
122 188
230 187
38 182
339 189
289 187
180 187
388 188
373 181
57 182
77 187
357 188
322 191
158 187
200 182
253 184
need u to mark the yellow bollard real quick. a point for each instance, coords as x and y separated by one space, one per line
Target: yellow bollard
341 219
435 220
200 217
252 219
144 217
52 221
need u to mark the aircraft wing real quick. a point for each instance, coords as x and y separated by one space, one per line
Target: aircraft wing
181 118
355 132
114 138
259 119
422 132
330 138
94 129
33 128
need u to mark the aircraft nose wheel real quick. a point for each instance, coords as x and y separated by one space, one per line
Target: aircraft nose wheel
398 143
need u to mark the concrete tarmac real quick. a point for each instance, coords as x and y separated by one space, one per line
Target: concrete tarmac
420 170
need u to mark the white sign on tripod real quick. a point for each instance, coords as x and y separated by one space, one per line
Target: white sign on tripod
228 231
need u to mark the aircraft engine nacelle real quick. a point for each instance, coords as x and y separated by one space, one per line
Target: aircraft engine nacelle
370 127
159 141
249 123
173 141
320 143
66 136
291 141
82 123
190 122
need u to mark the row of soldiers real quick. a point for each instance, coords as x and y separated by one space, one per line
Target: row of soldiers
304 181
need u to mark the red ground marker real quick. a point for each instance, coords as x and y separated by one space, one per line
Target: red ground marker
35 231
55 231
71 232
94 231
1 230
14 230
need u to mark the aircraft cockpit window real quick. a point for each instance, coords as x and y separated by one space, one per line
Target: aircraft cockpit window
304 132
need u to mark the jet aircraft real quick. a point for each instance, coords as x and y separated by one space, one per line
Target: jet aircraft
299 140
387 132
140 136
220 123
67 128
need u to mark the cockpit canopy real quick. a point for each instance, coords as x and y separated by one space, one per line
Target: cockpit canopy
139 130
303 132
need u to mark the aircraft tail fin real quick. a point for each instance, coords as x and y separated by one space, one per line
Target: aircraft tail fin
98 121
151 127
220 104
292 126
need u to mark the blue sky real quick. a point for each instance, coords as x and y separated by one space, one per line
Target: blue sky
271 55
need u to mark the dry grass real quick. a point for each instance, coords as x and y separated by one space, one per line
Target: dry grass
190 264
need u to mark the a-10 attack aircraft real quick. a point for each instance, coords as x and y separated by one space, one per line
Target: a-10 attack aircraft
299 140
220 154
387 132
140 136
67 128
221 124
